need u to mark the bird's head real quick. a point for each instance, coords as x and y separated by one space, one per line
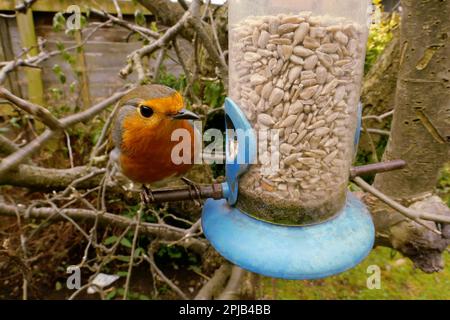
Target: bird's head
149 109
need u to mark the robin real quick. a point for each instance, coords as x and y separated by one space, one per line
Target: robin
142 134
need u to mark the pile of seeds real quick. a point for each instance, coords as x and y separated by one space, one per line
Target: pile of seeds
300 74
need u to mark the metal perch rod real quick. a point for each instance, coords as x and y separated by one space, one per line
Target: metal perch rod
215 190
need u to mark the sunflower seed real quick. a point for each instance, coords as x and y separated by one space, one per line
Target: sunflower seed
265 119
301 32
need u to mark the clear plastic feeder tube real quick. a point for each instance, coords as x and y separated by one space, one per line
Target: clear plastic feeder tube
295 71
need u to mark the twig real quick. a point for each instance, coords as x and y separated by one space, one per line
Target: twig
7 146
104 132
214 32
183 4
150 260
99 267
407 212
152 47
34 61
165 232
376 131
119 12
196 23
186 72
23 246
158 63
7 16
371 143
144 32
133 248
40 112
379 118
69 148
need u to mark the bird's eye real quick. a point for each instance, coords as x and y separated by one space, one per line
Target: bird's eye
145 111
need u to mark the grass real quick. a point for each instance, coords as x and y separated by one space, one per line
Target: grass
399 280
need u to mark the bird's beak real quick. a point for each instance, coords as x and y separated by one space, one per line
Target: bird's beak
185 114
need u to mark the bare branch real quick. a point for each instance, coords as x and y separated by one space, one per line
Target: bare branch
36 110
161 231
407 212
376 131
34 177
213 287
21 155
7 16
43 55
379 118
7 146
152 47
231 291
133 248
117 6
151 261
145 32
196 23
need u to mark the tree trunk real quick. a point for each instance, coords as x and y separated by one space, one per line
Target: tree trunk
378 92
420 132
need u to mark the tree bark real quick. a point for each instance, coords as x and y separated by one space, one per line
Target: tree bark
378 91
420 132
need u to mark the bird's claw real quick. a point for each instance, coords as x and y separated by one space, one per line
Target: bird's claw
147 195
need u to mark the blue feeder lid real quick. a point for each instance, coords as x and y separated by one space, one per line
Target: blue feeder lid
290 252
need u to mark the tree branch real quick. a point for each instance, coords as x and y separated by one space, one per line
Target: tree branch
407 212
212 288
36 110
7 146
22 154
34 177
231 291
165 232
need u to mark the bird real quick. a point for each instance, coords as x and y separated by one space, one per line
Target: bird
142 132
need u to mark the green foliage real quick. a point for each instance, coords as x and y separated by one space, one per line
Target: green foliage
119 292
154 26
59 22
444 184
126 243
139 18
110 240
380 35
57 70
177 254
172 252
214 94
170 80
211 93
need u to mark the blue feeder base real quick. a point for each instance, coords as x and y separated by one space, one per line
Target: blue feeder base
290 252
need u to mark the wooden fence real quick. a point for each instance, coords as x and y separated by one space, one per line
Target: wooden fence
95 70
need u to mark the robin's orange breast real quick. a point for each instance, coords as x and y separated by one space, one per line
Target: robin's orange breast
146 157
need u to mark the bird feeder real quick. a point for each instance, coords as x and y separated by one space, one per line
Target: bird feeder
292 120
